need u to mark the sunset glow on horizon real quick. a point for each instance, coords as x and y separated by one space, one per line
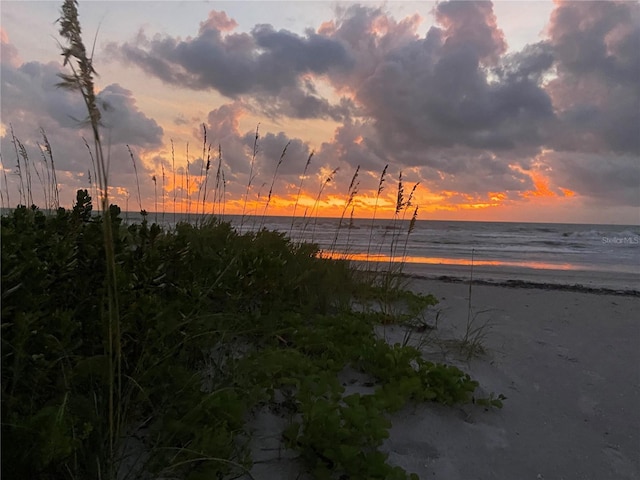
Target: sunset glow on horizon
503 111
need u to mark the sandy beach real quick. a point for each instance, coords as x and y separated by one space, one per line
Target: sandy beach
568 363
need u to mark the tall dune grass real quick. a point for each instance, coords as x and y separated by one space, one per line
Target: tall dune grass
251 176
297 201
273 181
81 80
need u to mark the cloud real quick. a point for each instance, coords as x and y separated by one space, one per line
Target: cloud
9 53
31 101
452 108
218 21
604 180
302 103
124 122
474 118
223 125
471 26
419 92
435 91
265 64
596 92
422 103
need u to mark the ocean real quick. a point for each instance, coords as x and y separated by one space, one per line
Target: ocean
591 256
594 256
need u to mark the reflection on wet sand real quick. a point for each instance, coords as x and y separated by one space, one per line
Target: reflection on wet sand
363 257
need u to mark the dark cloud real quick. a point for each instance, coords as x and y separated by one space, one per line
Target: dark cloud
436 92
197 167
474 172
369 35
471 26
124 122
271 149
454 103
266 63
297 103
354 143
604 180
597 38
30 92
31 87
597 92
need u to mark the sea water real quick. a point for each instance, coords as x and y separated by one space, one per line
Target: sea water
591 255
598 256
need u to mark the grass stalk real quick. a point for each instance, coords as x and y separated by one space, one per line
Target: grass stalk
54 177
175 189
188 192
81 79
216 189
295 205
183 196
21 192
253 159
21 152
273 181
400 204
27 169
51 183
373 216
408 204
351 193
6 183
254 213
351 224
316 204
45 179
470 289
155 197
224 193
163 192
45 150
135 170
412 226
204 150
93 164
206 179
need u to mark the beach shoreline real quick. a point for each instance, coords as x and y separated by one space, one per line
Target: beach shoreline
576 287
603 282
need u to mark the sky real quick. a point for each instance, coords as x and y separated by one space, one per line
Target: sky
525 111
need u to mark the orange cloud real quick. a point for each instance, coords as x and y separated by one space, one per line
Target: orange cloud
541 184
218 21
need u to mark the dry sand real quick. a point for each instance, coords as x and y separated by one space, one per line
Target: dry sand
569 363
